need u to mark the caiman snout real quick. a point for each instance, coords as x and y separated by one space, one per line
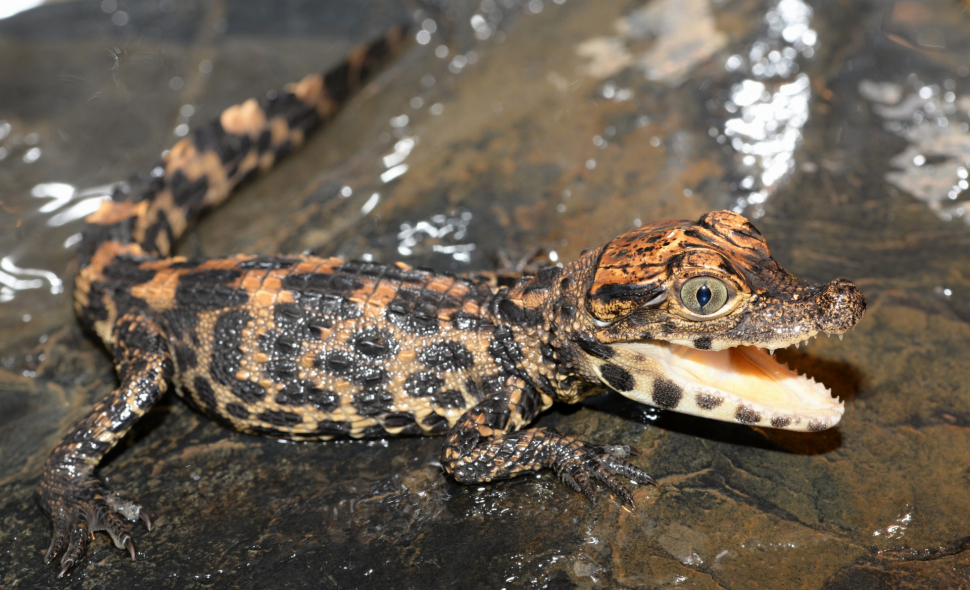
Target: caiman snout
840 306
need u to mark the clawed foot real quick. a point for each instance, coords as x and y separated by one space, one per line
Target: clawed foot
78 510
583 464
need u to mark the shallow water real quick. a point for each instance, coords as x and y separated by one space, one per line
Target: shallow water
841 129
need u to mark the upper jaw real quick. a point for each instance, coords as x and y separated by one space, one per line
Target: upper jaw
790 318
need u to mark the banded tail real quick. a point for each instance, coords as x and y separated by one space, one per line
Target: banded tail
202 169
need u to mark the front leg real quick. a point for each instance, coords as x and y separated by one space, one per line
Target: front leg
486 444
76 501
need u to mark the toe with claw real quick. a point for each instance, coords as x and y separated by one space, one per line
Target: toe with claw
80 507
584 464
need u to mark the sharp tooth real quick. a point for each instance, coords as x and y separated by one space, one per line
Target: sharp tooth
840 336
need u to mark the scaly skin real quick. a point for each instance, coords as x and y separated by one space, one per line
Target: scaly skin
308 348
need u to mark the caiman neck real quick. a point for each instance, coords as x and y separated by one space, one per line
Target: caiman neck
550 307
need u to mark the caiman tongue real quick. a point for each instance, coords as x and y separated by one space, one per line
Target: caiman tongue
743 384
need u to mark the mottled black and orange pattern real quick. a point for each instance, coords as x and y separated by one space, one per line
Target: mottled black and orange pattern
309 348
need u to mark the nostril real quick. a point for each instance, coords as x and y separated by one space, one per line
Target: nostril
840 306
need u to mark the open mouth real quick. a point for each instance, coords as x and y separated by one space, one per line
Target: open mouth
742 384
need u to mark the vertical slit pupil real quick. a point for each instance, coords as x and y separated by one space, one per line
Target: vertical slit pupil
703 295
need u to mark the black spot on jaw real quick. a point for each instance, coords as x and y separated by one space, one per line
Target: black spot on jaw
617 377
816 426
595 347
666 394
703 343
746 415
706 401
780 421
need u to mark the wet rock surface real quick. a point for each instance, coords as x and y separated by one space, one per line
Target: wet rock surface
840 129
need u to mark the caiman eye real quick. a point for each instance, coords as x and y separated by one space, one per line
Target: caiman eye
704 295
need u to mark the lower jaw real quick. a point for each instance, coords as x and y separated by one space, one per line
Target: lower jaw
742 384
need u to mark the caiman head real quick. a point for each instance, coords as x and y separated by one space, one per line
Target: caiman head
685 316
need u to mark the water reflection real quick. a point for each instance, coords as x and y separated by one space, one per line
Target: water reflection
10 281
770 105
85 201
934 120
445 234
9 8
